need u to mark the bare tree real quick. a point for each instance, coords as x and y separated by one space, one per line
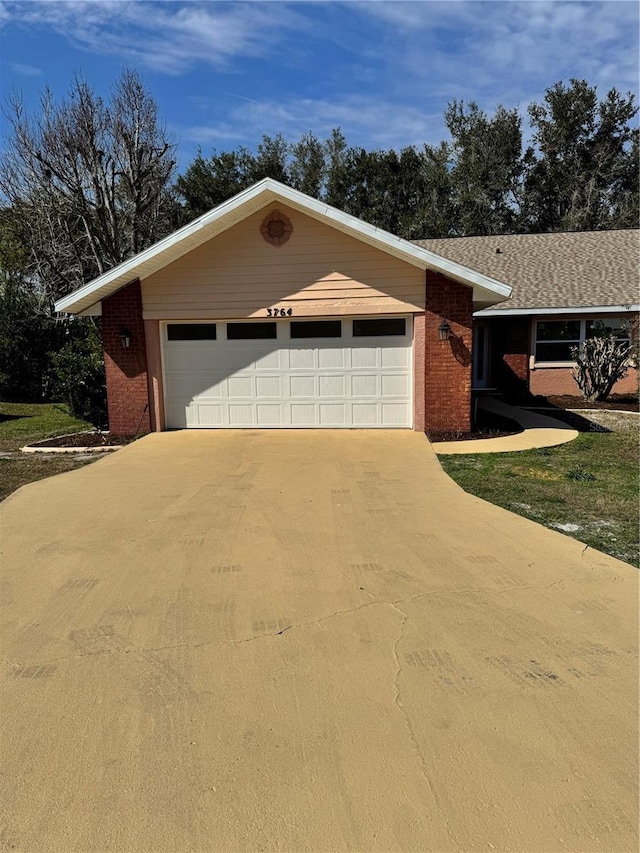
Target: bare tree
602 361
88 180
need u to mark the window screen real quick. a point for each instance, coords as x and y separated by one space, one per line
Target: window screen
379 327
316 329
191 331
251 331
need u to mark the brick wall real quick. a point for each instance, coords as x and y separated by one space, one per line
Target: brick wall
447 386
550 381
126 368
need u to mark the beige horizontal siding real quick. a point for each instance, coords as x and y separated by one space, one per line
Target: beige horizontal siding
319 271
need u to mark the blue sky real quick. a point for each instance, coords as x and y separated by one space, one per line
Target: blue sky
225 73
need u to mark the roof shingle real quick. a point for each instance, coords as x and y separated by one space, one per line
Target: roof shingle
567 270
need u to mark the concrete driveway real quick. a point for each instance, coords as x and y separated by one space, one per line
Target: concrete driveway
307 641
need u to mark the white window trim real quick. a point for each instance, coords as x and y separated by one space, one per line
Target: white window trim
533 337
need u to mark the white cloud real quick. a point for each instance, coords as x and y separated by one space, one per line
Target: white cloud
25 70
161 36
366 121
491 50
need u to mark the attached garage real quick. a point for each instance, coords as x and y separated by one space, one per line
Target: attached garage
277 311
329 372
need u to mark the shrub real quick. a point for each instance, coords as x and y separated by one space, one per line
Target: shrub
76 375
600 362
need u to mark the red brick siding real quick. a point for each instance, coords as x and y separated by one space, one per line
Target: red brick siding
558 380
418 372
126 368
447 395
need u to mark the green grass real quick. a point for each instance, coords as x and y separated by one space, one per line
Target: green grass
24 423
591 482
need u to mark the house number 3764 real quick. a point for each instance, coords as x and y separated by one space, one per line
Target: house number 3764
279 312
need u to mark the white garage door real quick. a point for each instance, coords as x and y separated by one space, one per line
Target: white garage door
353 372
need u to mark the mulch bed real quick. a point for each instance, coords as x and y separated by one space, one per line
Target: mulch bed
85 439
619 402
488 425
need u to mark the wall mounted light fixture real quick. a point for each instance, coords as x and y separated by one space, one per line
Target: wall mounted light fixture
444 331
125 338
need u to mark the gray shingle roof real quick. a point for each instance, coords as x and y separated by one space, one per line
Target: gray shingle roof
568 270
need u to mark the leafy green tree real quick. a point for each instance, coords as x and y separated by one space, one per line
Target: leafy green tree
271 160
337 176
25 329
581 173
425 195
208 182
487 167
307 167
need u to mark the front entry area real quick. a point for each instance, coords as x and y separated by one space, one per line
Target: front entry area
340 372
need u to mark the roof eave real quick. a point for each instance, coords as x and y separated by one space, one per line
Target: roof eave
590 309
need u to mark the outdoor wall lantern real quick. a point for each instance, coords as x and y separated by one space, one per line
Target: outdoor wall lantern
125 338
444 331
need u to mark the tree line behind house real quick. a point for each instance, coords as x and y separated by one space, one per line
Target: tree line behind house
89 182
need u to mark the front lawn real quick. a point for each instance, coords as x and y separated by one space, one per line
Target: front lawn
587 488
24 423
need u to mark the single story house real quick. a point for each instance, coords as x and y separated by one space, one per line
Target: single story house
566 287
275 310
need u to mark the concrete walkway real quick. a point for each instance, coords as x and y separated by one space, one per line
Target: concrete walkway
307 641
538 431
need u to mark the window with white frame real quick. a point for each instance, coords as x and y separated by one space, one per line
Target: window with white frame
555 338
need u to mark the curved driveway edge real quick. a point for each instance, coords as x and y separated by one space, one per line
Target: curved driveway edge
307 641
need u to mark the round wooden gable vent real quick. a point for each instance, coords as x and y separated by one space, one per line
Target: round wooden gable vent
276 228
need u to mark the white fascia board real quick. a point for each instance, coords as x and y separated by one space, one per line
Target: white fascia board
524 312
248 201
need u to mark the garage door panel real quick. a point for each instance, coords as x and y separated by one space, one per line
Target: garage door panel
303 414
394 357
269 361
268 387
189 358
364 414
302 386
240 387
189 386
364 385
394 414
241 415
177 414
208 415
394 385
332 414
283 382
331 386
303 359
362 356
269 414
331 359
